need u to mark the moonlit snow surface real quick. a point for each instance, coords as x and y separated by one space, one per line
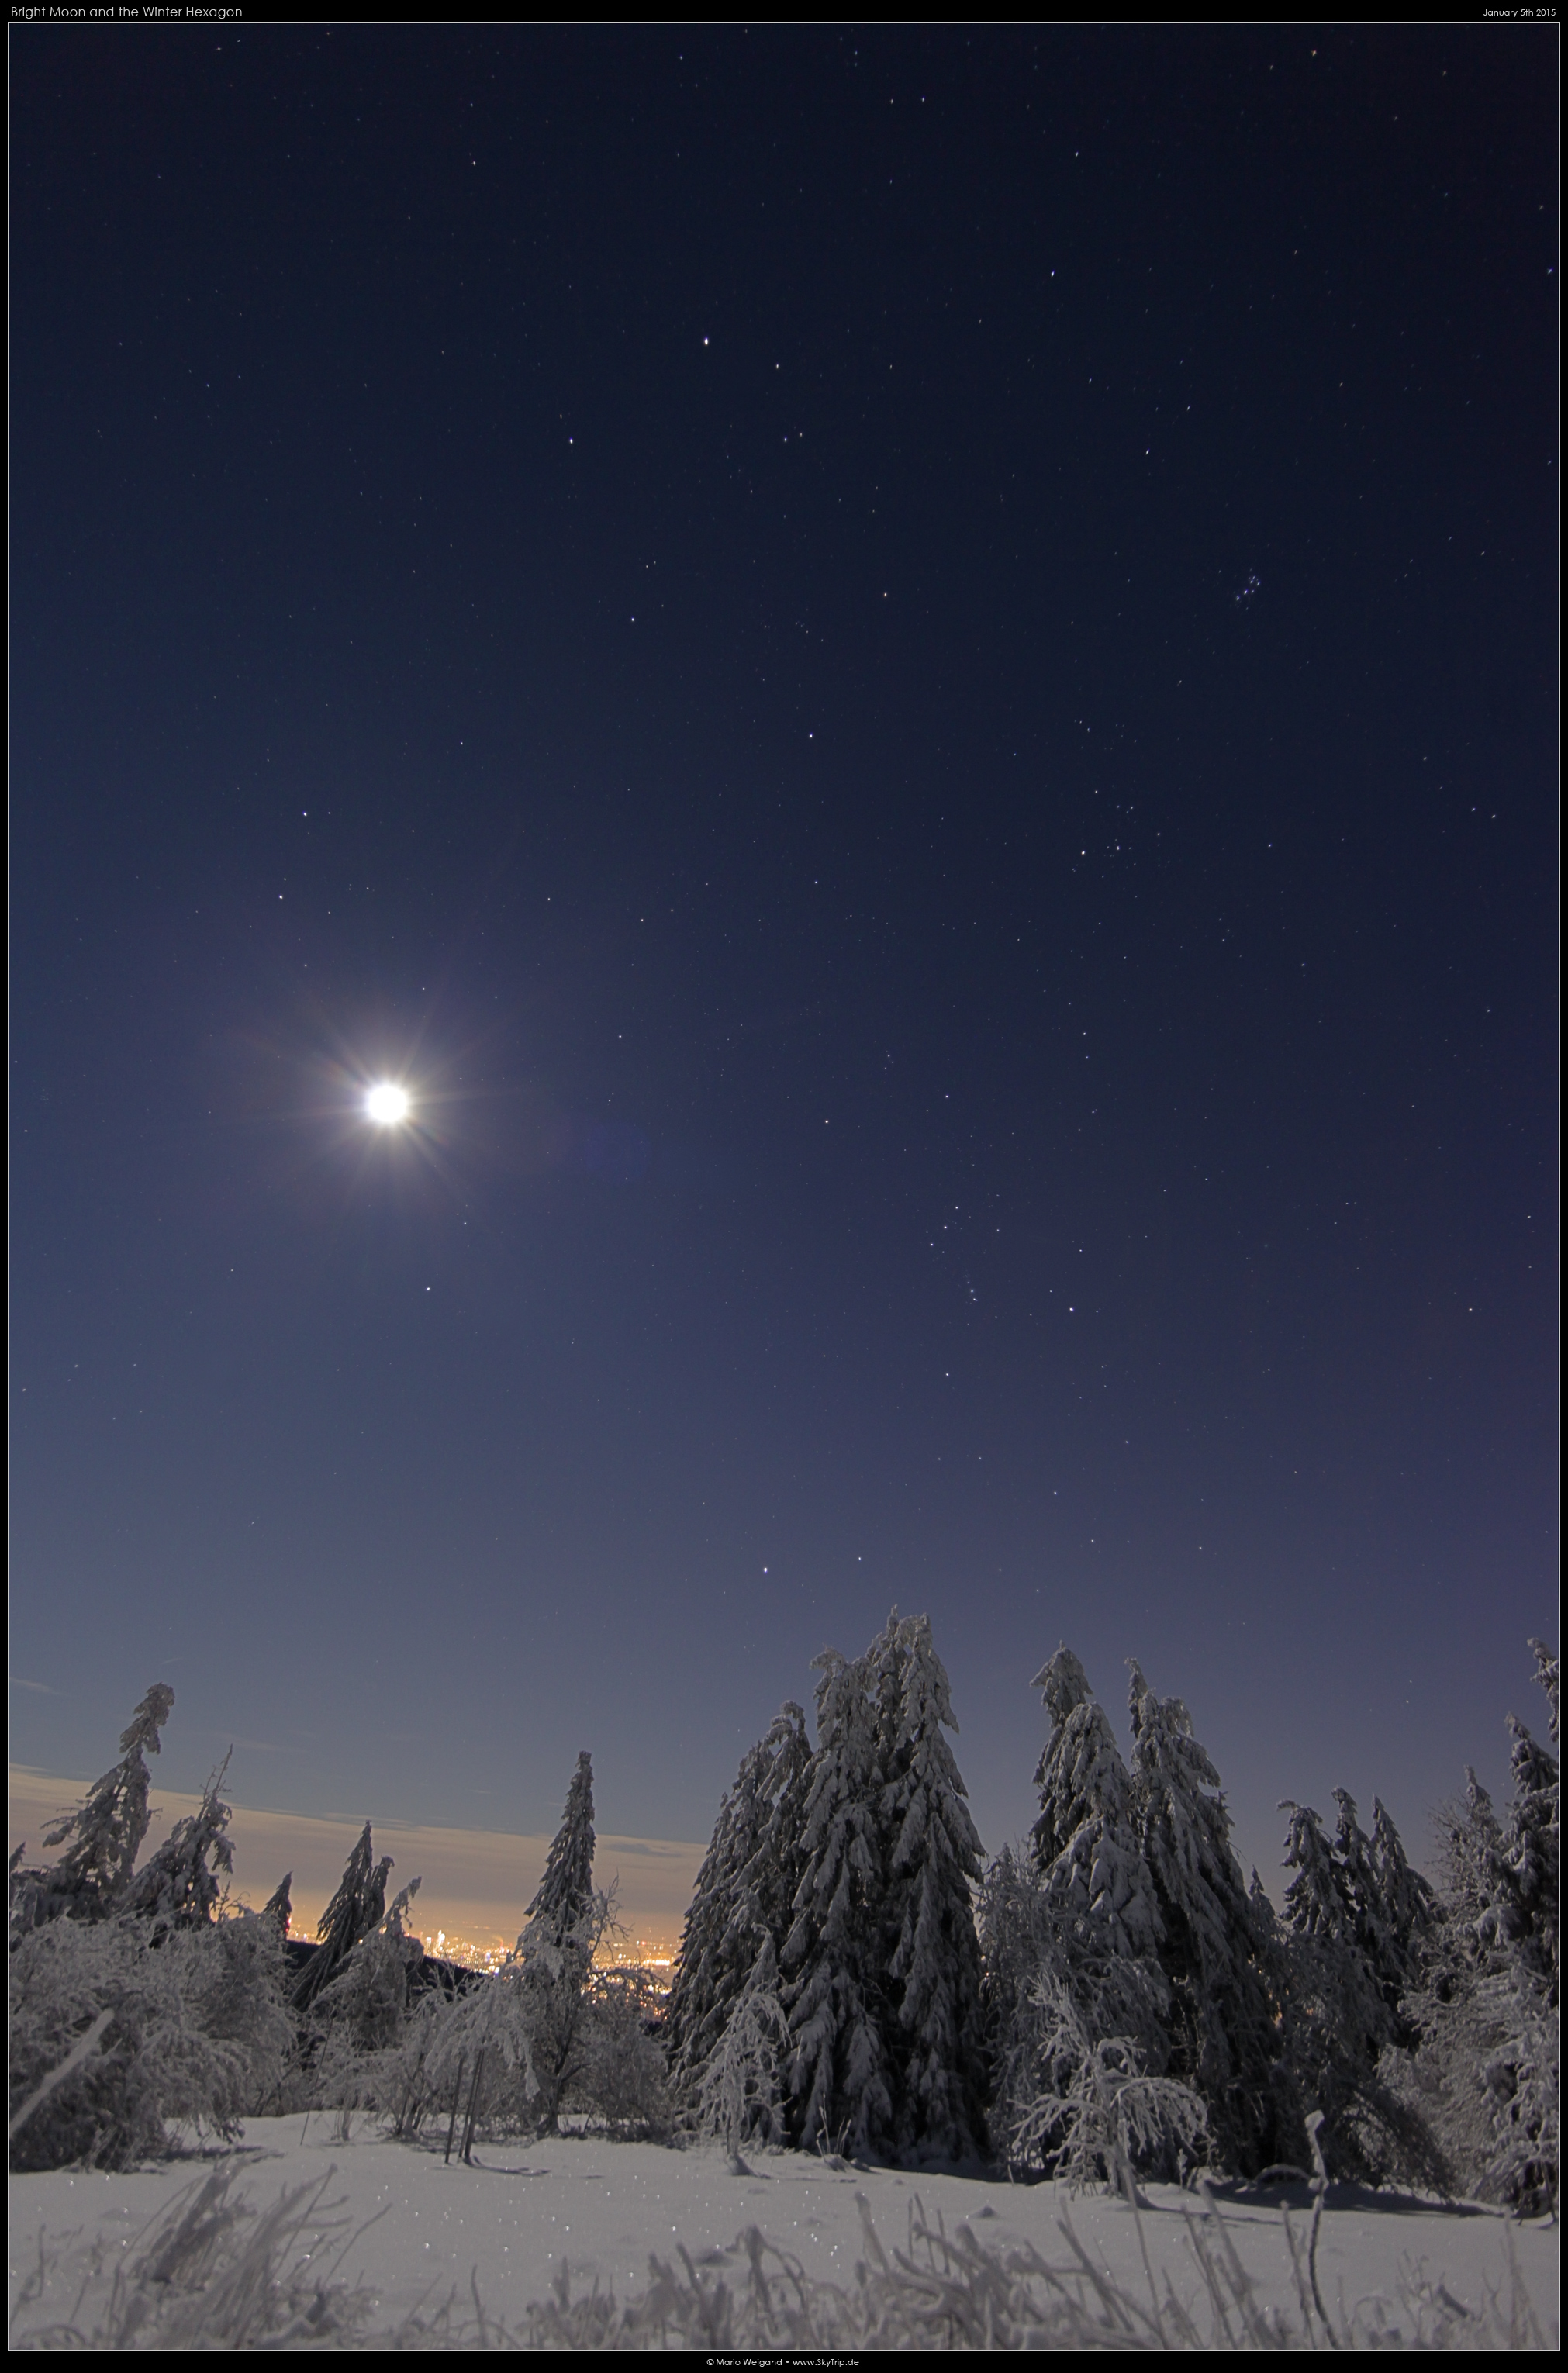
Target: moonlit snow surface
386 1104
505 2226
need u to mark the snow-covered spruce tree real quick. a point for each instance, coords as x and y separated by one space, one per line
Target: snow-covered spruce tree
1501 1880
740 2092
353 1911
1411 1909
1485 2076
1075 1916
932 1849
1458 1949
1532 1855
567 1887
361 2015
179 1887
1017 1935
103 1836
1085 1841
1224 2040
743 1896
280 1904
1337 2022
1472 1843
19 1893
550 2032
837 2070
565 1924
1521 1947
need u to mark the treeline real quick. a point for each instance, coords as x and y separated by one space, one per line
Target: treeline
1112 1999
141 1996
1109 2000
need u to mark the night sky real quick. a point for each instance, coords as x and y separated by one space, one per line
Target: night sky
908 680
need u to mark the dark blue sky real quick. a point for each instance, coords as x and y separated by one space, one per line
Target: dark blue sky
911 678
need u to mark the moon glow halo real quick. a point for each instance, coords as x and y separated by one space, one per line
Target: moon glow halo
386 1104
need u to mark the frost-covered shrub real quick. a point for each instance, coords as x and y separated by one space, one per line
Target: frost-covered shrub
1033 1958
1484 2082
1077 2043
1522 2080
355 2039
549 2035
1101 2116
739 2099
191 2023
621 2081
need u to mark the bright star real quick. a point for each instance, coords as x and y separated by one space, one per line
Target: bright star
386 1104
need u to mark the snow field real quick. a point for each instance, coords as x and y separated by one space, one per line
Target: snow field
408 2230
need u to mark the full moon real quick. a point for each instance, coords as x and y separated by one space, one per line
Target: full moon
386 1104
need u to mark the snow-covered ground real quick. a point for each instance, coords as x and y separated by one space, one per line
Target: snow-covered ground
405 2230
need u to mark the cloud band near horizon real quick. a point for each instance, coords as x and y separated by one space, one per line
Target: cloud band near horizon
474 1883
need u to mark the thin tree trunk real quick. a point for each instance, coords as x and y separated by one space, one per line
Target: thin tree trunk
457 2096
472 2109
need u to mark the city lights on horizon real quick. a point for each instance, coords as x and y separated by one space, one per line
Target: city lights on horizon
468 1953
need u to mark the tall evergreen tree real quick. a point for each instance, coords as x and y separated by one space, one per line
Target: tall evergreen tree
179 1887
1549 1676
1472 1856
1531 1859
1224 2038
1385 1907
566 1889
376 1895
1313 1903
1485 2076
838 2066
742 1894
1337 2019
1085 1841
103 1836
768 1880
933 1869
1363 1916
352 1913
1070 1934
1409 1904
367 2000
566 1923
280 1904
